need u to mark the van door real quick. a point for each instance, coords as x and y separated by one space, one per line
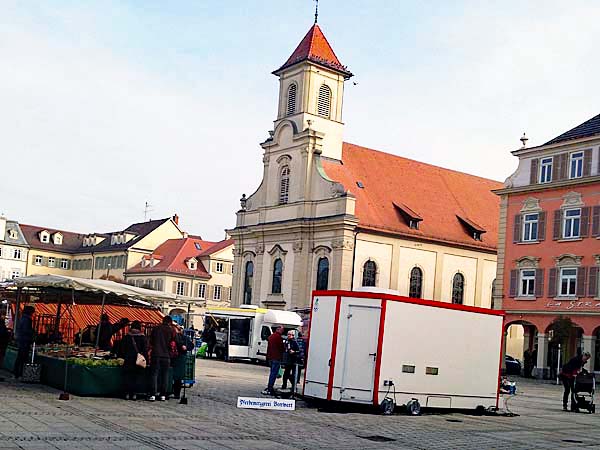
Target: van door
360 353
265 332
239 337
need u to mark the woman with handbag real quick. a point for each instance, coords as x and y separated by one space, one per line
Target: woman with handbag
135 354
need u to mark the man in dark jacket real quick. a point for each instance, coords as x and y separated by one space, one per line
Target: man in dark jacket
4 338
275 349
105 331
569 372
160 359
291 358
24 339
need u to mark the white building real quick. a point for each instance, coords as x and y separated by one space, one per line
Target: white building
13 250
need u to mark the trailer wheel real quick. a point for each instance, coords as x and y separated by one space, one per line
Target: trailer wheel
413 408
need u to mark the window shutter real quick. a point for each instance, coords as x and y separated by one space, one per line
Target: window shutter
581 279
68 265
593 282
539 282
552 283
517 229
213 266
541 225
174 287
564 166
533 175
225 294
209 292
596 221
44 260
585 221
587 162
229 269
557 224
186 287
514 276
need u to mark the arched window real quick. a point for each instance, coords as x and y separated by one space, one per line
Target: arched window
324 102
458 289
322 274
284 185
248 276
277 275
416 283
369 273
291 99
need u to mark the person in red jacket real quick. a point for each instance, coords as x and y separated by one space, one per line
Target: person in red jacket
275 349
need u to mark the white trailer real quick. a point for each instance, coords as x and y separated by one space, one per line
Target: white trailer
366 346
245 330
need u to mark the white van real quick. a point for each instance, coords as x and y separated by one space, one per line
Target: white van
242 333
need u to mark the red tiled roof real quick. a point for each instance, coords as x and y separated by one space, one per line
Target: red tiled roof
436 194
314 47
174 253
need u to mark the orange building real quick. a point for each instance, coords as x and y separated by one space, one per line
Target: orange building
549 247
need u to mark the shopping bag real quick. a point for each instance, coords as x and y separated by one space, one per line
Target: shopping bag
280 373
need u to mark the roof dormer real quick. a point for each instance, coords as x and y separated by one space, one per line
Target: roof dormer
192 263
57 238
411 218
45 236
476 231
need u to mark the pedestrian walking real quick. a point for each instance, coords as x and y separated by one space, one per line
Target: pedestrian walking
292 351
25 338
161 343
275 349
301 355
527 363
134 344
568 373
184 343
210 337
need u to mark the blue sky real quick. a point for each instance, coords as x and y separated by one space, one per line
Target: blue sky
106 105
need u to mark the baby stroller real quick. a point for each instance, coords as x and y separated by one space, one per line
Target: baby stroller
583 392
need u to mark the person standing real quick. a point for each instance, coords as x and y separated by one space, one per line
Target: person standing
184 343
25 337
210 337
134 343
292 352
568 373
528 363
301 355
275 349
4 338
160 342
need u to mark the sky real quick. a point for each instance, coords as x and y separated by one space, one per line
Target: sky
106 105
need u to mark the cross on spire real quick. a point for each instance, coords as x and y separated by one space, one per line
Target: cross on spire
316 10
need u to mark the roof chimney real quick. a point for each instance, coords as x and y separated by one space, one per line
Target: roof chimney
176 219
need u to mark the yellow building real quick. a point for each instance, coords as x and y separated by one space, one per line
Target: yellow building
198 272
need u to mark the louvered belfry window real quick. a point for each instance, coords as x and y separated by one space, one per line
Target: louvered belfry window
284 185
324 102
291 99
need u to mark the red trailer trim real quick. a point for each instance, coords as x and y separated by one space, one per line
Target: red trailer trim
307 343
338 304
417 301
378 357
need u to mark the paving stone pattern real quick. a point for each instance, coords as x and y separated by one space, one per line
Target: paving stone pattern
32 417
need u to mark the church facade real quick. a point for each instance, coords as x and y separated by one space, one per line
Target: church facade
333 215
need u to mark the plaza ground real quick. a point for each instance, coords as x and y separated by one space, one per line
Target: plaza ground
32 417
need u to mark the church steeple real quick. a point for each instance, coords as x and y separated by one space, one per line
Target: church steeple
311 90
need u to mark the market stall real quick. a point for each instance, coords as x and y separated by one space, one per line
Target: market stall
67 326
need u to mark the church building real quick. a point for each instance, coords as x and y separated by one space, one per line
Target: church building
333 215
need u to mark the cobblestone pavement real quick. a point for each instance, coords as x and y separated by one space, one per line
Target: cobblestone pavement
32 417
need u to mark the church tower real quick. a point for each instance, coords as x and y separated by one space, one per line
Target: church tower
311 90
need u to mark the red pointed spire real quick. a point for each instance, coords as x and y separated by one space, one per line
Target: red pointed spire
315 48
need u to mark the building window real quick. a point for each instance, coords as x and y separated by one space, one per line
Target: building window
291 99
202 290
277 276
530 227
197 245
13 234
527 283
58 239
149 284
576 165
369 273
571 223
546 170
15 274
219 267
458 289
17 253
284 185
324 101
51 262
568 282
192 265
64 264
180 288
38 260
415 289
45 237
322 274
158 285
248 278
217 293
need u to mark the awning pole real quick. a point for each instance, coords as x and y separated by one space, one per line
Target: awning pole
100 323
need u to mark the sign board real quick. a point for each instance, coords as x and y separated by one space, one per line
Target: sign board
266 403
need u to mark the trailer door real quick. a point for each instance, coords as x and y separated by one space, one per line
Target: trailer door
239 337
360 353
